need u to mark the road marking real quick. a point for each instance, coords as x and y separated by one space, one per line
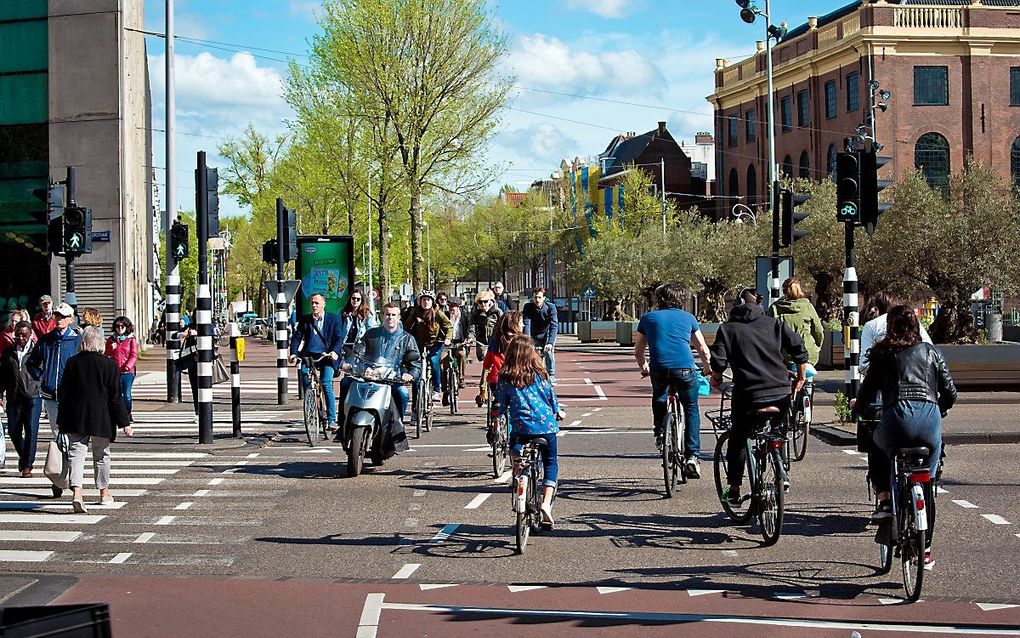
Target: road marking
318 450
574 423
201 493
215 481
477 501
116 481
418 493
368 626
166 520
519 588
479 449
22 506
411 522
60 519
29 535
995 606
504 477
704 592
144 537
253 455
596 409
23 556
185 505
406 571
730 552
598 391
120 558
586 414
851 452
891 601
415 507
445 533
429 586
996 519
789 595
611 590
965 504
941 490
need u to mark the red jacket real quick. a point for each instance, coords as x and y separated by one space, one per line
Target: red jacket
493 362
124 353
42 326
7 339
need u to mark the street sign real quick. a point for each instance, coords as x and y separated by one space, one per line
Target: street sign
763 273
100 235
290 288
588 293
375 294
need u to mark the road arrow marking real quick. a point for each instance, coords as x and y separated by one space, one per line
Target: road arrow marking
611 590
995 606
429 586
519 588
406 571
704 592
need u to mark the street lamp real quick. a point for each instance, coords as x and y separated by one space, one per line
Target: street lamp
747 212
748 13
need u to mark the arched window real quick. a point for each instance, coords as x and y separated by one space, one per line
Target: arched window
752 185
831 159
734 183
805 165
931 155
788 166
1014 162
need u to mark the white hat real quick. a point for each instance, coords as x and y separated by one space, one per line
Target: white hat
64 310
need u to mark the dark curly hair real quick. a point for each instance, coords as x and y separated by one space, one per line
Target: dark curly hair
670 295
902 331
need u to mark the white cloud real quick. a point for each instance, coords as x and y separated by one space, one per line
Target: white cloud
605 8
536 145
208 81
545 62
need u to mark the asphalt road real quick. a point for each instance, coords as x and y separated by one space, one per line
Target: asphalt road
265 535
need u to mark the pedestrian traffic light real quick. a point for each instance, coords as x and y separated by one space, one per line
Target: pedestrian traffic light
871 186
179 240
212 198
77 230
269 251
790 217
289 238
848 193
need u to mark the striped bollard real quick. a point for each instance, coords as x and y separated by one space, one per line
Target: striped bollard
235 380
281 346
171 326
203 315
851 310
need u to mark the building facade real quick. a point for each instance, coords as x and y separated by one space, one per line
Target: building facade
74 91
952 66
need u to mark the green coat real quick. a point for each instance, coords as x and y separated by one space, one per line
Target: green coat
800 316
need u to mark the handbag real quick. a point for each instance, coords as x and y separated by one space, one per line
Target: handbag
220 373
704 387
54 467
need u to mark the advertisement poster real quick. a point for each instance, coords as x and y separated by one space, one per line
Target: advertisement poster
325 264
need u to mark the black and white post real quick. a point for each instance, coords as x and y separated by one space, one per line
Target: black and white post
281 307
851 312
172 311
70 298
203 307
235 380
774 283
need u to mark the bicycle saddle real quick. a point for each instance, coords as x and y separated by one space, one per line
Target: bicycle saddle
912 451
538 443
768 409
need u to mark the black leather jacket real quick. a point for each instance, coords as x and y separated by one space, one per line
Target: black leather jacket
917 373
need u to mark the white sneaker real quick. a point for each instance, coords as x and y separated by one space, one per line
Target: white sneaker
79 507
547 517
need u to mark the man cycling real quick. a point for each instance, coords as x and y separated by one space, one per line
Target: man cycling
668 333
316 334
755 347
540 323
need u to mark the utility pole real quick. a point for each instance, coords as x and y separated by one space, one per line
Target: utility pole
203 306
69 297
371 288
172 310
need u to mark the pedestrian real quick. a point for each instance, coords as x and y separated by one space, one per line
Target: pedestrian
91 411
7 336
795 310
356 318
187 356
500 297
51 355
875 326
540 323
122 347
44 322
92 317
19 389
483 321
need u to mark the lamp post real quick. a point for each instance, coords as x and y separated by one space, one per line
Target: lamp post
748 13
747 212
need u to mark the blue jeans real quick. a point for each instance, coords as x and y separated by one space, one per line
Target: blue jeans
23 428
435 353
400 395
127 381
326 370
550 361
907 424
550 461
686 382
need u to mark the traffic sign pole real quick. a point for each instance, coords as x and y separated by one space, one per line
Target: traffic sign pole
69 297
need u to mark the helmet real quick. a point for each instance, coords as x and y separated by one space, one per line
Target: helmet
427 293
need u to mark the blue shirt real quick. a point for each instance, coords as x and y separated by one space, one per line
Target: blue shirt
532 409
669 338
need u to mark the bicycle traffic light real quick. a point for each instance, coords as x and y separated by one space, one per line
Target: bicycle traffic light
289 238
871 186
848 191
179 240
212 198
77 230
790 217
53 195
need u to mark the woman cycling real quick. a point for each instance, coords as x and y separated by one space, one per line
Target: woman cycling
509 325
356 318
431 330
525 393
917 391
795 310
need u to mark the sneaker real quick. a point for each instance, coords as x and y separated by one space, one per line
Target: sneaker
107 500
26 473
79 506
731 495
436 396
929 560
883 512
331 426
547 517
693 467
659 442
478 400
57 491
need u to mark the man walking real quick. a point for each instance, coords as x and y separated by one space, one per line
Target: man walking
317 334
540 322
50 356
43 323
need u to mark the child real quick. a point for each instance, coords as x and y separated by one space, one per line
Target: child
508 325
525 393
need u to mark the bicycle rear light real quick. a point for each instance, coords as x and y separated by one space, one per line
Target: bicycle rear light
920 476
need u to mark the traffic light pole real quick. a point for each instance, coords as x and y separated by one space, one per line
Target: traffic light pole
776 212
851 312
203 307
69 297
172 309
281 308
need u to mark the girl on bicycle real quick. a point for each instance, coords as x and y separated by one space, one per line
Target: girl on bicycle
509 324
356 318
525 393
431 329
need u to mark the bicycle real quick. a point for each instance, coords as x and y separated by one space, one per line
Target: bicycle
499 426
767 469
423 404
800 426
314 401
527 492
672 452
452 373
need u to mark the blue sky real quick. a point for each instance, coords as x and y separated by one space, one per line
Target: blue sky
657 55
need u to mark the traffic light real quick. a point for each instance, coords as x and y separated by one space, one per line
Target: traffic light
53 195
179 240
269 251
871 208
790 217
77 230
848 191
289 235
212 197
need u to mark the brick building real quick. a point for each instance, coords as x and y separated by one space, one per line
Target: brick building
953 67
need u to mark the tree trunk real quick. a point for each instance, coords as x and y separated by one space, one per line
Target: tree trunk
954 323
384 254
417 259
828 305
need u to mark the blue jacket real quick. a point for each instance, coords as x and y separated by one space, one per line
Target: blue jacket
532 409
540 323
305 330
50 356
359 326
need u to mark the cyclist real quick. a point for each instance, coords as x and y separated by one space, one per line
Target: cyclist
459 326
443 303
795 310
316 334
510 324
754 346
356 318
540 323
525 393
500 297
874 328
431 329
916 392
483 321
668 333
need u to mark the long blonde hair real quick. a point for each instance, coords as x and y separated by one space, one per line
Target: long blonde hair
792 289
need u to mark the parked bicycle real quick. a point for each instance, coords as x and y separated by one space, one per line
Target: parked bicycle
314 401
526 492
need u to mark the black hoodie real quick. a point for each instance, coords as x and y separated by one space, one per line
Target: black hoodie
753 345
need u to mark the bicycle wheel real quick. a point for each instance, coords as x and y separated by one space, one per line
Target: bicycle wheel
523 526
911 550
799 434
429 409
535 497
500 448
886 549
677 434
311 410
453 387
770 497
418 412
741 512
669 468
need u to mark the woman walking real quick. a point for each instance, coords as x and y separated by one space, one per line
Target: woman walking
19 389
92 317
122 347
91 410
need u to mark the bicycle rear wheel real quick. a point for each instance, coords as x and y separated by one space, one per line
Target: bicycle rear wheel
669 467
886 549
911 551
799 434
453 387
535 497
311 410
500 447
740 513
523 530
769 495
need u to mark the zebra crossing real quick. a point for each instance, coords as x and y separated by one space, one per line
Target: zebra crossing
250 389
184 422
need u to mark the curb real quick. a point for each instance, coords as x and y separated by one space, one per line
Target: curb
840 437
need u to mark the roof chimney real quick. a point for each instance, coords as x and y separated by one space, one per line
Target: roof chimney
662 129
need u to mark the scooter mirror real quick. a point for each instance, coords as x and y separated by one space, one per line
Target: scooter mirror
411 357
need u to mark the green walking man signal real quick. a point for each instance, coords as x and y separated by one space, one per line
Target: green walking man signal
179 240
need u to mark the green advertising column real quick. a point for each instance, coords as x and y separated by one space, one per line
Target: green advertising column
325 265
